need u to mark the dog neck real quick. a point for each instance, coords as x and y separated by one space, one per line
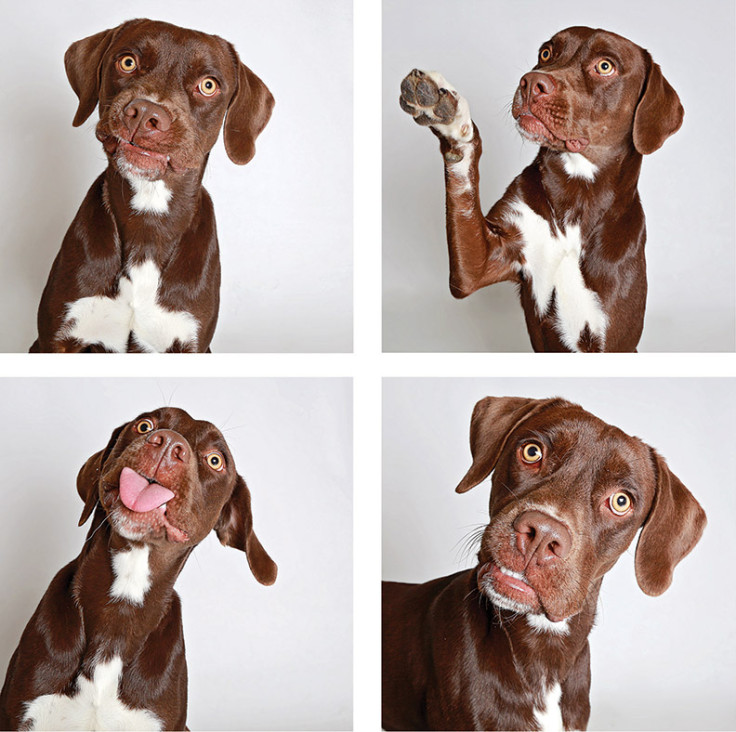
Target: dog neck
153 214
556 647
584 188
125 591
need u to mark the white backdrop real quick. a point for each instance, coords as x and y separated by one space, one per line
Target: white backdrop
284 220
483 47
261 658
664 663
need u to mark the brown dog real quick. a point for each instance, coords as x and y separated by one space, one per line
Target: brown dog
105 648
504 646
570 229
139 268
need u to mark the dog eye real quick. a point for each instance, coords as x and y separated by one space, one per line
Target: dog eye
208 87
127 64
215 461
605 67
531 452
545 55
620 503
143 425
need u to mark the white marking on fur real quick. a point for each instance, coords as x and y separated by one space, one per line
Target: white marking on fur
578 166
149 196
461 127
135 309
95 706
553 265
542 624
132 575
549 717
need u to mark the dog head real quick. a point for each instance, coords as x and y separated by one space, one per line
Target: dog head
569 492
163 93
168 479
595 89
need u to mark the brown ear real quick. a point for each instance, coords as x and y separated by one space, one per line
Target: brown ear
248 113
674 526
494 418
235 528
88 478
82 61
659 112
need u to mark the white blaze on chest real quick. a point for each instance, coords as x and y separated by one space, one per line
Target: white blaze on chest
95 705
549 715
552 263
132 575
135 310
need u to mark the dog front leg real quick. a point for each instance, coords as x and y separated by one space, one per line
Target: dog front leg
479 251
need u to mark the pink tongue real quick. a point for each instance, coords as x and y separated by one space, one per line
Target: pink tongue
139 495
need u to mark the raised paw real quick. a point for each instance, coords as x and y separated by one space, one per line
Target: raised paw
430 100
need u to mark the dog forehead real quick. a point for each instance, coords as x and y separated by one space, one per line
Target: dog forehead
182 46
196 431
581 40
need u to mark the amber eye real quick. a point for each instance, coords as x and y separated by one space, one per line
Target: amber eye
208 87
545 55
143 426
215 461
531 452
605 67
620 503
128 63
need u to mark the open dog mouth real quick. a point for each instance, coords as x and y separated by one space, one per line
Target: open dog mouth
533 129
144 507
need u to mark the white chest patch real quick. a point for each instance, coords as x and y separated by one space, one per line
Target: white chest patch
132 575
110 321
549 718
95 706
578 166
541 624
149 196
553 266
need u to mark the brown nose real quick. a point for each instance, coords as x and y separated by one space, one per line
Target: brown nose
541 537
535 84
171 446
146 118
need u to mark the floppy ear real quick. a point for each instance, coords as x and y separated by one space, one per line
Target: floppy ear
88 478
494 418
248 113
673 527
82 61
235 528
659 112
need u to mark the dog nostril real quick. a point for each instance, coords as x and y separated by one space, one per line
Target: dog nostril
155 439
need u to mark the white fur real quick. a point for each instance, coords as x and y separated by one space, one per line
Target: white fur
553 265
149 196
578 166
95 706
461 127
132 575
549 717
110 321
542 624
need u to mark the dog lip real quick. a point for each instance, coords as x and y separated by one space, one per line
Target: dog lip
508 583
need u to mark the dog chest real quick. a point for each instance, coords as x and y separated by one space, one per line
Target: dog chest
135 310
96 705
552 265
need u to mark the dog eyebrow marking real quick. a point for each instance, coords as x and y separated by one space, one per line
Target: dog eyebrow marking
132 575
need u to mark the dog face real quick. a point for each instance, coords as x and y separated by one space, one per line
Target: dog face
595 88
569 492
168 479
163 93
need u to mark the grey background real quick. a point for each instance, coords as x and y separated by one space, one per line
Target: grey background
483 47
664 663
260 658
284 220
